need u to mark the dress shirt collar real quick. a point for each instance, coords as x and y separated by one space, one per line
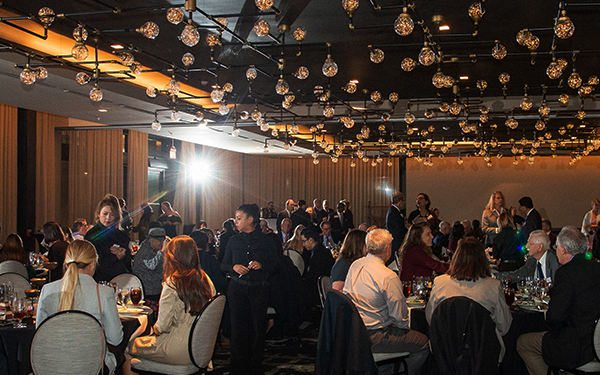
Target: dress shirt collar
528 212
496 211
543 263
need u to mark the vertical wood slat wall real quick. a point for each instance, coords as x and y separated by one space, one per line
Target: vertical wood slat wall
95 169
8 170
137 172
259 179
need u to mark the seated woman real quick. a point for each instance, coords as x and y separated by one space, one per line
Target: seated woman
110 240
456 234
77 290
353 248
54 237
13 250
469 276
506 245
415 255
295 243
185 291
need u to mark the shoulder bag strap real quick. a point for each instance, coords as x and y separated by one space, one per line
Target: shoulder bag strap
101 325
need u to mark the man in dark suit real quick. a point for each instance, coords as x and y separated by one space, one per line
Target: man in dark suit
320 213
533 219
287 230
394 220
547 228
542 261
300 216
339 223
320 262
287 213
573 310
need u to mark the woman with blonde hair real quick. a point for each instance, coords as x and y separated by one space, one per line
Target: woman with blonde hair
186 290
77 290
491 213
506 245
295 243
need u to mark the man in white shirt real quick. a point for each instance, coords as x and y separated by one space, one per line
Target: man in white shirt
377 293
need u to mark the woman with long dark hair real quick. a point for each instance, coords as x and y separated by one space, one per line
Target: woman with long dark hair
415 255
470 276
423 214
13 250
353 248
250 258
54 237
185 291
110 240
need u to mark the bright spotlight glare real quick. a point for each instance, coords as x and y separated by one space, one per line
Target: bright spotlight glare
200 171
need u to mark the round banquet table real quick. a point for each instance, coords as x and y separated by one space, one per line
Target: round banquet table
15 345
524 321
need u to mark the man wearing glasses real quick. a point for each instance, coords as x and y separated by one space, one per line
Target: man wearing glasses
320 262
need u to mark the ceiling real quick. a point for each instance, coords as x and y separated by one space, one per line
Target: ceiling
464 51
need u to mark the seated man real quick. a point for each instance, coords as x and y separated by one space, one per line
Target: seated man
148 265
574 307
320 262
542 261
377 293
441 241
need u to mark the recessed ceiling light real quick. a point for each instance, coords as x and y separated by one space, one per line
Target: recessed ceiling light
582 126
354 81
116 46
102 109
464 78
444 27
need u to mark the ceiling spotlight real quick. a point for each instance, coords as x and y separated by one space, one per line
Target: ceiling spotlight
116 46
444 27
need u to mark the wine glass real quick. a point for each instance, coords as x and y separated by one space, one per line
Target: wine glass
135 295
19 310
509 296
122 296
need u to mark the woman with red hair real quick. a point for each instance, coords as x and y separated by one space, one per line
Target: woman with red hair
185 291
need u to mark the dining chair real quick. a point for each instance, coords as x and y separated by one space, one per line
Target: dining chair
297 260
14 267
324 288
592 366
20 283
344 345
463 338
201 343
128 280
68 343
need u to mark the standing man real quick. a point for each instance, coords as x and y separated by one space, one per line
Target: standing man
300 216
320 262
320 213
377 293
269 211
571 315
533 219
287 213
339 223
394 220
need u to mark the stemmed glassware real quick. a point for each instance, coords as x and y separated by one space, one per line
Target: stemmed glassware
19 310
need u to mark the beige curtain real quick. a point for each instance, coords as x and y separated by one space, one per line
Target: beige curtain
8 170
95 169
137 173
240 178
48 167
184 201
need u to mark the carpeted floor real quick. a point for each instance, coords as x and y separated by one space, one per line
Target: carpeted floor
282 357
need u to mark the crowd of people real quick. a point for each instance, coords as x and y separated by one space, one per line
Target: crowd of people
258 267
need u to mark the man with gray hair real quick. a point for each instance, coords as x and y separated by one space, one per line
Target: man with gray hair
572 312
542 262
377 293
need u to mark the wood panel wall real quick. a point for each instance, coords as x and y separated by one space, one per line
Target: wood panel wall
8 170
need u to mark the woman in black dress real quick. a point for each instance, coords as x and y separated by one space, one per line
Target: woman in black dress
249 259
169 219
110 240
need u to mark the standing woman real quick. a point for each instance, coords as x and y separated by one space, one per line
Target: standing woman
424 215
169 219
489 219
111 242
250 258
185 291
416 257
77 290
